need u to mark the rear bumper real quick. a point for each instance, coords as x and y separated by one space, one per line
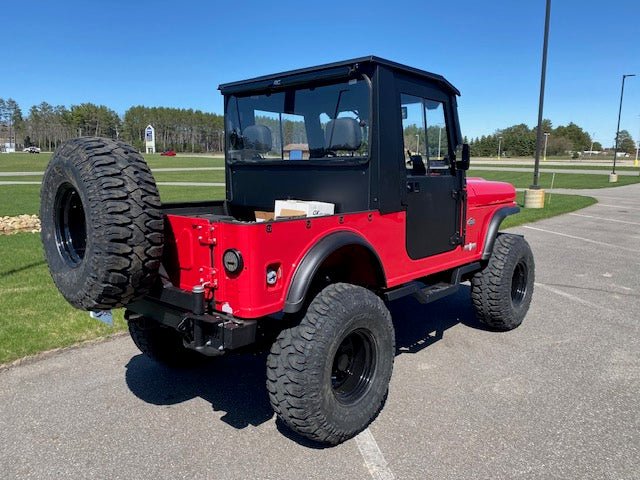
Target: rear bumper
210 334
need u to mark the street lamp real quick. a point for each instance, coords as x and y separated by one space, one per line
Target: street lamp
591 147
635 162
546 139
534 195
417 144
499 146
439 140
613 177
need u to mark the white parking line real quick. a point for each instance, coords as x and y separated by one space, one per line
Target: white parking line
373 457
616 247
571 297
604 218
615 206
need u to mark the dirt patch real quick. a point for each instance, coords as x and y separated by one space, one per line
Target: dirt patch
20 223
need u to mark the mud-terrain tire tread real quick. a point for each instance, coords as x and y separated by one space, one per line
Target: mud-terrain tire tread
124 222
295 365
491 287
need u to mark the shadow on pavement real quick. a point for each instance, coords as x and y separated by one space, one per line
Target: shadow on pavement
418 326
235 384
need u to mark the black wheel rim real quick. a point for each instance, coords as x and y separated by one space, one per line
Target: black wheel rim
353 366
519 283
70 225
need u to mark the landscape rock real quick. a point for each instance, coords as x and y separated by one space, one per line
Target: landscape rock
19 223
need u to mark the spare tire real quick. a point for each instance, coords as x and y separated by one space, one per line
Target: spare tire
102 225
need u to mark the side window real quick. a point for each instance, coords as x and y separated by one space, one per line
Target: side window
424 129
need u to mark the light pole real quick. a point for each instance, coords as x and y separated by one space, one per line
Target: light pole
499 146
613 177
439 140
591 147
417 144
546 139
635 162
537 199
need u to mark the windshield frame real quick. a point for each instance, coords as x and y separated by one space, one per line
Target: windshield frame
231 103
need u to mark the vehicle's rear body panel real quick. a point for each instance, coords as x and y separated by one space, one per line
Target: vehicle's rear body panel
195 247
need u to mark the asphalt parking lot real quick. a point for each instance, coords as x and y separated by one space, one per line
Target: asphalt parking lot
555 398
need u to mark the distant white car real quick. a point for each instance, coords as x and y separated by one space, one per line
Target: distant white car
31 150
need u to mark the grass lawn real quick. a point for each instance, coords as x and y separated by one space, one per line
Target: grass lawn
555 204
563 180
25 162
574 166
20 199
35 317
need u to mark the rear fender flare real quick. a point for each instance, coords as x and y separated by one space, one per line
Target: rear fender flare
312 261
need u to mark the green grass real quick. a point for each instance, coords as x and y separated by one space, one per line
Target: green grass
35 317
156 161
25 162
21 199
190 194
203 176
563 180
555 204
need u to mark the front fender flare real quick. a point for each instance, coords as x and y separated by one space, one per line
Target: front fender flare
312 261
494 226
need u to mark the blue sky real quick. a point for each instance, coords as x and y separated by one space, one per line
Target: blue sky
122 53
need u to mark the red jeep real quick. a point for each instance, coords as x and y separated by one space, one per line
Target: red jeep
374 205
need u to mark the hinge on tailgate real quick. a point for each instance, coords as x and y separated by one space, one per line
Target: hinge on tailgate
208 276
206 235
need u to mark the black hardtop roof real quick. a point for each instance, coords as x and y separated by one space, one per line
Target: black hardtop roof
260 82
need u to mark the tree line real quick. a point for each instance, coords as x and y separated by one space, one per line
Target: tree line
47 126
187 130
520 141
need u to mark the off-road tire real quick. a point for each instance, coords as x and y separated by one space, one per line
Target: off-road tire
102 226
160 343
305 357
502 291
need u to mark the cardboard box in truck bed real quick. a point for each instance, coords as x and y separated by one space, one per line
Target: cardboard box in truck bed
306 208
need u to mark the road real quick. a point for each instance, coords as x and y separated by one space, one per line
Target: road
555 398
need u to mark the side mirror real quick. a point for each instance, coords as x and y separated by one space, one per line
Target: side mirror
465 158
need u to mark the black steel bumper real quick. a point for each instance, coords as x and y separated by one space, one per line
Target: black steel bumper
208 333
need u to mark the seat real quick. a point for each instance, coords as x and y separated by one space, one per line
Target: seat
417 165
343 134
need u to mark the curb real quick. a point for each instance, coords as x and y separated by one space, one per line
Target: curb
56 351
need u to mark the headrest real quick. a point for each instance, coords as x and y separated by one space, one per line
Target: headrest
343 134
258 138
